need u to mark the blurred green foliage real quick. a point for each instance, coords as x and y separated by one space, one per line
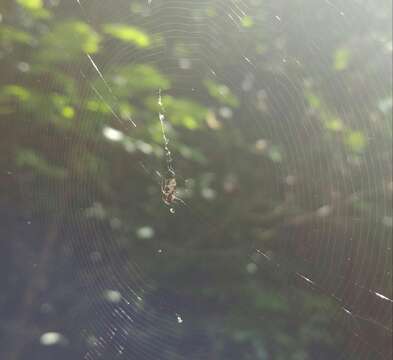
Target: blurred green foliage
128 34
30 159
68 40
222 93
341 59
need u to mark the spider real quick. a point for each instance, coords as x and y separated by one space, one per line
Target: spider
168 190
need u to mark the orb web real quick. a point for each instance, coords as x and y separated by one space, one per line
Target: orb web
336 267
334 236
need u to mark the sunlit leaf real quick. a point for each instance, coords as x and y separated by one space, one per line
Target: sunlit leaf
31 4
9 34
190 122
313 100
222 93
341 59
356 141
67 41
184 112
68 112
334 124
62 106
247 21
16 91
128 34
136 78
97 106
35 8
125 110
30 101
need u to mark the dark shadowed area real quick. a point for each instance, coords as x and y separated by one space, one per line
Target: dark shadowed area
185 179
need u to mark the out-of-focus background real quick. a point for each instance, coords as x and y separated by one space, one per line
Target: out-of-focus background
278 119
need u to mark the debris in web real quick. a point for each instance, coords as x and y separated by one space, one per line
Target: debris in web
101 97
96 68
337 299
383 297
99 73
305 278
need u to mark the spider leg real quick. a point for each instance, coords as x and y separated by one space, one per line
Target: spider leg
163 186
175 198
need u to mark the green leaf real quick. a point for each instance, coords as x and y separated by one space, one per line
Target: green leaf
128 34
68 112
16 91
137 78
334 124
356 141
35 7
95 105
9 34
247 22
183 112
341 59
126 110
313 100
62 106
30 159
31 4
222 93
68 40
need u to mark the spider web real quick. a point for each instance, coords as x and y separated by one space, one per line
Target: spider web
134 320
324 277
